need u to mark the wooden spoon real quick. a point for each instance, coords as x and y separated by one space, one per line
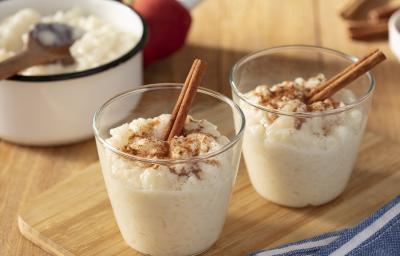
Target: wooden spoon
47 43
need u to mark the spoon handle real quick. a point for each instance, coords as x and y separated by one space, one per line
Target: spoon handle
15 64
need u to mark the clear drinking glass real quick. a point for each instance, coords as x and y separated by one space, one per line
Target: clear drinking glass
310 164
166 221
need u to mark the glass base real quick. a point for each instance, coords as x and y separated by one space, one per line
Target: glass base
195 254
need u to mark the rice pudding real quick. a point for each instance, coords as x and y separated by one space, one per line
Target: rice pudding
305 159
172 208
97 42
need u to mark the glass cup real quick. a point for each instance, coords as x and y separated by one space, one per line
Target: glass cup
306 158
159 219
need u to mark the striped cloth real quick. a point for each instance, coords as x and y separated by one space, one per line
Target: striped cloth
378 235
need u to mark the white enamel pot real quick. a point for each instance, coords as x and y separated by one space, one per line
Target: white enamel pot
394 34
58 109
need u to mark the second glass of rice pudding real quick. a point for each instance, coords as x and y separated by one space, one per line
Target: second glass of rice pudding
169 197
299 154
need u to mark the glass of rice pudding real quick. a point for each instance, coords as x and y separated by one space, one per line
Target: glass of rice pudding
299 153
169 197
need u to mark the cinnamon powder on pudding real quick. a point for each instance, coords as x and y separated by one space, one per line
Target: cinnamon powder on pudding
190 145
198 137
291 96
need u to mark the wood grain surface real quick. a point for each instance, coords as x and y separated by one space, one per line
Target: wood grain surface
75 216
222 32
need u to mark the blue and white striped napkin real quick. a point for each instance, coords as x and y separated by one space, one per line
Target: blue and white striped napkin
379 235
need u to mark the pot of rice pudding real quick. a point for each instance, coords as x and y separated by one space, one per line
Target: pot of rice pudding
53 104
299 154
169 197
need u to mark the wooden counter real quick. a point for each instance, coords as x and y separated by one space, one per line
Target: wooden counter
222 32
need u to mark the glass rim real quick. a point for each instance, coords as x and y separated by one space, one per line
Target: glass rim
164 86
345 56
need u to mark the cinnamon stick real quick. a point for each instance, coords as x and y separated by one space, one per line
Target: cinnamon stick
348 75
180 99
368 30
319 88
382 12
185 99
351 8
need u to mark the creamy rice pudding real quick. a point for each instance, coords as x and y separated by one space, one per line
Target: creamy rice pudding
97 42
171 208
305 159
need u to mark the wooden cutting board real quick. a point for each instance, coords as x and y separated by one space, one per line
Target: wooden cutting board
75 218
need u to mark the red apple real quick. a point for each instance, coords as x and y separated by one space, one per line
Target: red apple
168 25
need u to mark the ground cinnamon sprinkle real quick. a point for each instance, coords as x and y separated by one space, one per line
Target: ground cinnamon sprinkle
292 96
192 143
148 128
145 147
212 162
194 168
281 95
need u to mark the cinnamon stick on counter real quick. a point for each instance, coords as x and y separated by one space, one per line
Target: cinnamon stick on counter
185 99
368 30
383 12
348 75
351 8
